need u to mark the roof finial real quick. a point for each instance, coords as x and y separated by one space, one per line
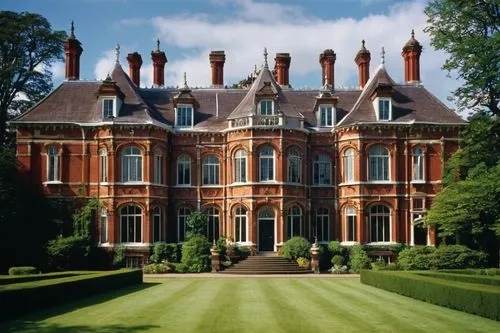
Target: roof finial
117 52
265 58
382 56
72 30
185 82
363 44
158 45
412 34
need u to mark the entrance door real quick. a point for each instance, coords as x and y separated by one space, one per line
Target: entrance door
266 229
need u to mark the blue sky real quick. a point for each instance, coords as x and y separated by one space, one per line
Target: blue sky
189 29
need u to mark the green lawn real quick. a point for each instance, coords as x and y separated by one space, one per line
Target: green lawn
250 305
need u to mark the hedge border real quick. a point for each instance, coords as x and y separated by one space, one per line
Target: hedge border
20 298
478 279
473 298
11 279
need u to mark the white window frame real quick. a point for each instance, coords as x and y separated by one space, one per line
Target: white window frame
349 165
294 161
182 215
417 216
53 175
137 218
103 234
418 165
266 112
103 166
183 164
323 119
376 175
350 218
240 166
290 218
379 215
376 105
132 155
157 220
189 115
211 170
271 167
113 108
321 162
322 214
239 218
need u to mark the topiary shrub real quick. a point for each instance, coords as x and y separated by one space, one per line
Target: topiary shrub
338 260
163 251
358 259
297 247
22 270
196 254
160 268
304 262
456 257
415 258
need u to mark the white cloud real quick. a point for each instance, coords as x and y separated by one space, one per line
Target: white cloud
58 71
285 28
104 64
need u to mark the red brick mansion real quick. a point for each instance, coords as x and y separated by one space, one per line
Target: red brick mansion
265 162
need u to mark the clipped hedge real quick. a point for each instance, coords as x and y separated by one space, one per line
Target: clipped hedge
8 279
297 247
20 298
474 271
22 270
477 299
479 279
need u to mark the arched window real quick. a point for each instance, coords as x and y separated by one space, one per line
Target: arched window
294 222
294 166
321 170
131 224
380 224
240 224
157 225
182 215
322 222
104 226
378 163
131 165
103 165
351 225
418 164
213 223
266 164
184 170
52 164
211 170
240 166
158 167
349 165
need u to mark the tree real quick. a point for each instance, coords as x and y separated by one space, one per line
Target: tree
197 224
469 31
28 47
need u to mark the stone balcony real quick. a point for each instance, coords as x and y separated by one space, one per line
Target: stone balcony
273 121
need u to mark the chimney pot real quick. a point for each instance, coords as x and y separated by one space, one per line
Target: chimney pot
282 68
159 60
411 56
217 60
72 50
327 60
135 63
363 61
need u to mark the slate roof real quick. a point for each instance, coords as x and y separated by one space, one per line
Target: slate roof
76 102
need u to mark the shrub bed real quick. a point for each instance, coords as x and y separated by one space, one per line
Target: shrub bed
477 299
488 280
297 247
19 298
22 270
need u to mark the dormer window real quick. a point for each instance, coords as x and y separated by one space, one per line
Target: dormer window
326 116
184 116
108 108
383 107
266 107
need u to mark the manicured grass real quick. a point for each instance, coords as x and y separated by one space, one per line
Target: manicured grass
250 305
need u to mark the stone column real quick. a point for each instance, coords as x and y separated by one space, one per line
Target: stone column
315 258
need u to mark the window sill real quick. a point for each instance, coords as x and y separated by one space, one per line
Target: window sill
382 182
184 186
53 182
134 244
381 243
211 186
323 185
349 243
132 183
418 182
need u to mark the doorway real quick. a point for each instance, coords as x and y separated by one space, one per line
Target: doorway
266 229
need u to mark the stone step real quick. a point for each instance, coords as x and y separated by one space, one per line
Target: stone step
266 265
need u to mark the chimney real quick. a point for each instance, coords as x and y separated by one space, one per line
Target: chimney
411 55
159 61
282 69
217 60
134 65
73 50
363 61
327 61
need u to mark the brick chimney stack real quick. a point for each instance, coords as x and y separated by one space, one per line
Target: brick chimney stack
327 60
217 60
283 69
159 61
134 65
363 61
411 55
73 50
